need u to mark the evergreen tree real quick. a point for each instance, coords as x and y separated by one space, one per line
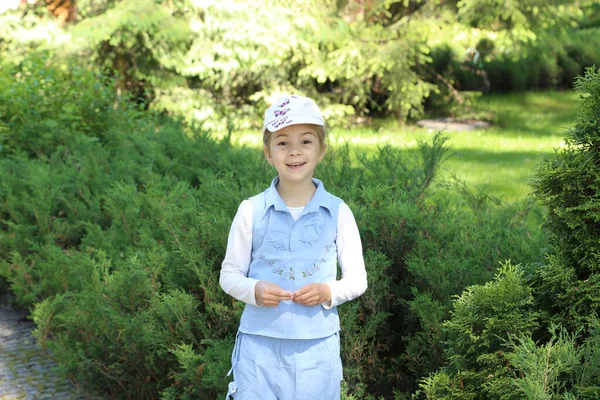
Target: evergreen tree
214 61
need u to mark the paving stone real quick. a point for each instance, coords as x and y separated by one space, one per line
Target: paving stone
26 373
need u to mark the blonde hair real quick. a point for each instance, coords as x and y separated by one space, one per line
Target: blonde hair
321 134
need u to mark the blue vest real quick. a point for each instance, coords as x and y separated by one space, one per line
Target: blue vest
293 254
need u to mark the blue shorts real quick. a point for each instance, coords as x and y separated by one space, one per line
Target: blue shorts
266 368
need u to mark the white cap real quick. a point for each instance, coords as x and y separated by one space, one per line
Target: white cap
292 110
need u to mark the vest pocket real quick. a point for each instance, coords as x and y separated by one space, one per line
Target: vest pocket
279 239
311 233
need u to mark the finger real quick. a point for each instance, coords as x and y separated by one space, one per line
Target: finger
276 298
311 301
271 301
302 291
301 295
277 290
302 299
280 294
284 294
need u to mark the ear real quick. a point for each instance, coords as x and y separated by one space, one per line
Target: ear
323 149
268 155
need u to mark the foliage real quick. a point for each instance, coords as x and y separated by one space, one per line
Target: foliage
551 62
483 319
64 109
141 40
23 33
114 220
561 368
568 184
527 15
547 345
377 58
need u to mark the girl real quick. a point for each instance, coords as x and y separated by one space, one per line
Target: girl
281 261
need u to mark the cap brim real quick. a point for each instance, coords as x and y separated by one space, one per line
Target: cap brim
295 120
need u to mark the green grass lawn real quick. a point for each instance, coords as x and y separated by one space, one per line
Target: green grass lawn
500 160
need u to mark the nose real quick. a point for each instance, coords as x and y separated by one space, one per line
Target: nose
294 150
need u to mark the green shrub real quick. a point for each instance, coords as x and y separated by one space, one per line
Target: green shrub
67 104
563 367
112 235
552 62
568 183
484 319
534 334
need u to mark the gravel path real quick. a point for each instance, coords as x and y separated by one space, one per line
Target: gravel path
25 371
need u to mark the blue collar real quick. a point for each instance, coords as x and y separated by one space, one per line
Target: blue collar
321 198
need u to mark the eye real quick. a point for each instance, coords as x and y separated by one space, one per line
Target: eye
306 141
282 143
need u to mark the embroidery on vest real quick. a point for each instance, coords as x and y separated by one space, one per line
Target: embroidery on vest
291 275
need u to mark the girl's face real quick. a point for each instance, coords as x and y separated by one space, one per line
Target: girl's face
295 151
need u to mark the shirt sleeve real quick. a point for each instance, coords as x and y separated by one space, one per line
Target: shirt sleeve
234 269
353 282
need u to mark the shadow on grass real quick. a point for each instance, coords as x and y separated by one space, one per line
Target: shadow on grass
482 157
504 174
534 114
497 158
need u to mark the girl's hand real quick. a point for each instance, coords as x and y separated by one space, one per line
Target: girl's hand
312 294
270 294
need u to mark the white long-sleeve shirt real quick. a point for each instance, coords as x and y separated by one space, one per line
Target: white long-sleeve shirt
234 270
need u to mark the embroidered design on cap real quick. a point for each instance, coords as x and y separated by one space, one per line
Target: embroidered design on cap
287 101
290 110
279 113
282 121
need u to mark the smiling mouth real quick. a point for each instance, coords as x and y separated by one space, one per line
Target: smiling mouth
295 165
